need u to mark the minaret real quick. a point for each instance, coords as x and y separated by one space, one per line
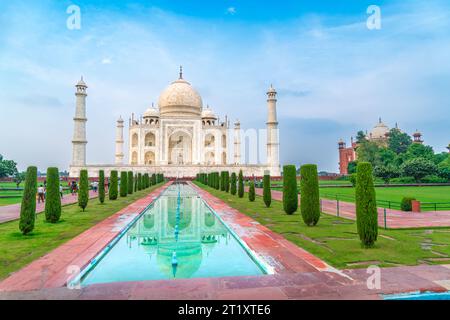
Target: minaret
237 142
417 137
119 141
79 131
272 129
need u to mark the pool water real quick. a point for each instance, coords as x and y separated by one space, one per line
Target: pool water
177 237
420 296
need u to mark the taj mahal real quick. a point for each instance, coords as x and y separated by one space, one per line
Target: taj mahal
180 137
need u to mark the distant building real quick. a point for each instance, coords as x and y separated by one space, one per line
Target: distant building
379 134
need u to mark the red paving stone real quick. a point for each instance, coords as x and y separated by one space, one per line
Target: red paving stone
12 212
395 219
299 275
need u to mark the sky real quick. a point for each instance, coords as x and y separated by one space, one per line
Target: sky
334 75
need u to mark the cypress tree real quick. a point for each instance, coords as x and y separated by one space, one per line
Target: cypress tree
147 180
130 182
139 181
113 185
153 179
366 207
251 191
227 181
136 182
233 184
290 193
83 192
241 185
101 186
267 193
53 196
28 206
123 184
309 190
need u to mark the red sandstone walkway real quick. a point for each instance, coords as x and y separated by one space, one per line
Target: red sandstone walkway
12 212
395 219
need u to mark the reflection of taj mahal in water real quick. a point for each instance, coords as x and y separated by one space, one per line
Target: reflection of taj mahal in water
179 138
199 233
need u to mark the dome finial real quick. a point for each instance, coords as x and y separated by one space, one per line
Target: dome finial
379 120
181 72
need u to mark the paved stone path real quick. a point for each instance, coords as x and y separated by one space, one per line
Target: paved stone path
12 212
395 219
300 277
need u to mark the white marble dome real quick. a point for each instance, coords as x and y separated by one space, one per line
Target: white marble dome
180 99
379 131
151 113
208 114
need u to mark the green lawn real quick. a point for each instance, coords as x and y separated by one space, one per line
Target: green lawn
17 250
335 239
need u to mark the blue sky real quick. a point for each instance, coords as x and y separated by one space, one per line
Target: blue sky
334 76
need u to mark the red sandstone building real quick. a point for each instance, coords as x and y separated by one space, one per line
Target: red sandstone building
379 134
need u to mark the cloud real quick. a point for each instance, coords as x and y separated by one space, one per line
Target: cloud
231 10
106 61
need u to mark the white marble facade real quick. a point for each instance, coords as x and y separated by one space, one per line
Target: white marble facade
180 137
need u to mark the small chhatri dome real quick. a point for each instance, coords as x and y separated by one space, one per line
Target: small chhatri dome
208 113
379 131
151 113
180 99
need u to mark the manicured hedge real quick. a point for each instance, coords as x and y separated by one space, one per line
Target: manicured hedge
406 204
123 184
309 190
267 194
101 186
130 179
113 185
251 191
139 185
28 206
227 181
241 184
366 207
290 193
233 184
83 192
52 196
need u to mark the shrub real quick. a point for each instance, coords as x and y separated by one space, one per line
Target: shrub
101 186
113 185
267 194
403 180
153 179
139 184
233 184
366 205
28 206
227 181
241 185
251 191
433 179
83 192
123 184
406 204
136 182
290 193
309 190
418 168
53 196
130 182
352 179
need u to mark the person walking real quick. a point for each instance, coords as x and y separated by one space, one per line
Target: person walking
61 190
41 193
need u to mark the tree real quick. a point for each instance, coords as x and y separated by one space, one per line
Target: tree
241 185
290 193
386 172
153 179
7 167
309 190
28 206
417 150
123 184
360 137
19 177
368 151
53 196
136 182
267 194
366 205
444 169
251 191
113 185
351 167
227 181
130 182
83 192
233 184
386 156
101 186
139 184
398 141
418 168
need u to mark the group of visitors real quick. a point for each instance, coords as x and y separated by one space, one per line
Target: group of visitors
42 191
